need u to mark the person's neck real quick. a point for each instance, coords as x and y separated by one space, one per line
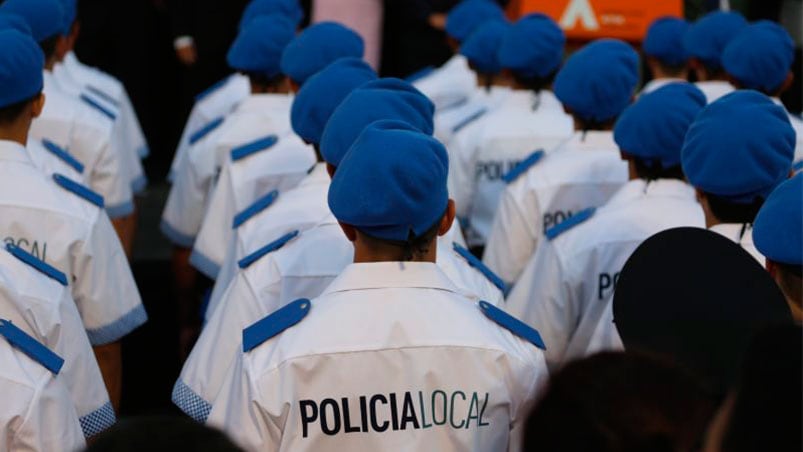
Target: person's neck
17 134
390 253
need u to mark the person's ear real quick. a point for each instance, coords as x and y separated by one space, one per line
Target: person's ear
331 170
787 83
448 218
349 230
38 105
294 87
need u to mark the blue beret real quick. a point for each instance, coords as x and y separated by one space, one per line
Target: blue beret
760 56
653 128
258 48
664 41
739 147
70 13
323 92
45 17
317 47
597 82
707 38
392 183
778 227
9 21
291 9
533 46
21 67
482 47
386 98
468 15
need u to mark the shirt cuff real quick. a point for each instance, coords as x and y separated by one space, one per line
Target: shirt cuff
190 403
183 41
204 264
119 328
98 420
177 237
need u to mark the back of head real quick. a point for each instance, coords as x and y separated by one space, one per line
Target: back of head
619 402
161 434
664 42
386 98
482 47
317 47
598 81
533 47
468 15
44 17
778 230
21 63
760 57
258 48
707 38
291 9
739 148
653 128
323 92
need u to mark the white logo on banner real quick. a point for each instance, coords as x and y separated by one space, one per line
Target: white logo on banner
579 10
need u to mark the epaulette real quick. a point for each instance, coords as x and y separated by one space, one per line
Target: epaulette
258 206
482 268
106 97
97 106
523 166
418 75
63 155
216 86
475 116
78 189
512 324
269 248
272 325
205 130
245 150
34 349
40 265
569 223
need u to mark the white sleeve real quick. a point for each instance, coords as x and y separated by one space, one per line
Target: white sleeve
539 299
196 120
184 211
462 182
134 132
221 340
107 178
511 242
103 286
51 423
530 396
226 275
209 249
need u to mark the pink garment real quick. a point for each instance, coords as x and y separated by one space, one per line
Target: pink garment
363 16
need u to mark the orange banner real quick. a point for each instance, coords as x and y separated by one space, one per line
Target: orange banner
591 19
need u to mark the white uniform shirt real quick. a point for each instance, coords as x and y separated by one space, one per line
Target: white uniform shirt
714 89
37 413
482 102
217 101
584 172
449 85
54 160
74 236
430 373
488 149
258 118
241 183
568 284
301 268
87 134
741 234
45 310
656 83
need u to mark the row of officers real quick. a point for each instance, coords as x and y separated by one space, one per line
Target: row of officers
341 216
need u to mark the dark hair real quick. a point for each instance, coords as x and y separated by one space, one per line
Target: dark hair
11 113
619 402
414 245
161 434
654 170
49 46
730 212
263 80
672 70
535 84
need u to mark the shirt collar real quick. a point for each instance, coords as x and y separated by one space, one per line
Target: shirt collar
317 175
592 140
280 103
661 188
654 84
15 152
385 275
527 100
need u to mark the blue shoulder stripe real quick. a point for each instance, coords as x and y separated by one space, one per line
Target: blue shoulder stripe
475 116
40 265
512 324
206 129
100 93
34 349
569 223
97 106
418 75
523 166
78 189
63 155
255 146
272 325
216 86
269 248
482 268
258 206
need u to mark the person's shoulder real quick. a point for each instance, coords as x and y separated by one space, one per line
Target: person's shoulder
28 275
